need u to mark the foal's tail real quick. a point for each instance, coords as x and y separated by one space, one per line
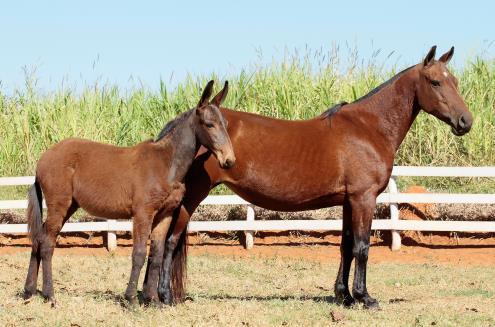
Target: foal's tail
35 213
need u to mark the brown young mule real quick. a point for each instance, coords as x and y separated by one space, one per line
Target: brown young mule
343 157
143 182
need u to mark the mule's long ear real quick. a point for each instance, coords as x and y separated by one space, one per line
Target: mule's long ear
445 58
430 56
205 97
218 99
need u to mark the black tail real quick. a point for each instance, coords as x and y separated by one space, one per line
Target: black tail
35 213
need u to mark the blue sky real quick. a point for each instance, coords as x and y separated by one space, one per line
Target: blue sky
114 40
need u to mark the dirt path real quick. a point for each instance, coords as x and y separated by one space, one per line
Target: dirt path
322 247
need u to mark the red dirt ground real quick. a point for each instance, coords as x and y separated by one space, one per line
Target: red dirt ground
472 249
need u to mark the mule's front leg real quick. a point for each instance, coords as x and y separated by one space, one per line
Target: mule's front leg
164 285
155 258
342 293
140 233
170 284
363 207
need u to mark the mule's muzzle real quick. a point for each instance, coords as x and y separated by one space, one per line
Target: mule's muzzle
463 124
226 159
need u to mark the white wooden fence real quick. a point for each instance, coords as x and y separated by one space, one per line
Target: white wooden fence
250 225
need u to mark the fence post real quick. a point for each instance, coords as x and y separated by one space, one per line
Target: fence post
111 236
394 214
249 234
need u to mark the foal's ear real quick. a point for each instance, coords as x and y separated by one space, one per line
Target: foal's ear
218 99
445 58
205 97
430 57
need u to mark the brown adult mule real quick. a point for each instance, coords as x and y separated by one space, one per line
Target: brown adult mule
143 182
342 157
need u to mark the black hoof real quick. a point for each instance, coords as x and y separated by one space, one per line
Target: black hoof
154 303
371 304
51 300
345 299
27 295
132 300
348 301
167 301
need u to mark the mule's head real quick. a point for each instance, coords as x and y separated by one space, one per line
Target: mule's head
438 93
211 127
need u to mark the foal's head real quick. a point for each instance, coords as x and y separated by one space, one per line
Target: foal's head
211 127
438 93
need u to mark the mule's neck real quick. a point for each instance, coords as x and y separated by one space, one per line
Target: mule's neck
185 145
391 111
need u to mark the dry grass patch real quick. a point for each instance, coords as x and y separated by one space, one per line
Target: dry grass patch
251 291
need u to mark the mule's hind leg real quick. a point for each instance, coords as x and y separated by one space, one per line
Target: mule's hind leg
342 293
363 207
59 212
140 232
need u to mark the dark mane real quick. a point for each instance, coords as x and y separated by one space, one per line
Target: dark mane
171 125
329 112
384 84
332 110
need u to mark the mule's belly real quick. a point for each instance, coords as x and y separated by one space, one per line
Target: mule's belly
281 201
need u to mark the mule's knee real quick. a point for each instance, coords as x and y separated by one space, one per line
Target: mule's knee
360 250
341 291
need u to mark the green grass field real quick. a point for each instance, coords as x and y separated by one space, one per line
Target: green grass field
255 291
297 88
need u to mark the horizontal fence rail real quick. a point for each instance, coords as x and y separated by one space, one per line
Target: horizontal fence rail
385 198
275 225
250 225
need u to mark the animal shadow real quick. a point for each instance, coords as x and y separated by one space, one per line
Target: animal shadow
320 298
117 298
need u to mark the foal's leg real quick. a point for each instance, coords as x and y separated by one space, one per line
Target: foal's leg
342 293
140 232
34 266
363 207
155 258
59 212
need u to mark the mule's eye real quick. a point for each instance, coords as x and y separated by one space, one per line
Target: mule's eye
209 125
434 82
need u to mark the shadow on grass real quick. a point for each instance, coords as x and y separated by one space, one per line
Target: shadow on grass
119 299
411 241
319 298
116 298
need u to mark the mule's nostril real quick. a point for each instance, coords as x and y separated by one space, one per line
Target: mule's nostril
462 122
229 163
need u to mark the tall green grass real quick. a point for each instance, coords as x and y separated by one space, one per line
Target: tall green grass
297 88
